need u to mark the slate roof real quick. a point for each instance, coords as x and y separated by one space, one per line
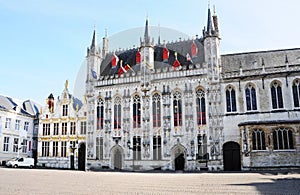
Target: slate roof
253 60
27 107
128 56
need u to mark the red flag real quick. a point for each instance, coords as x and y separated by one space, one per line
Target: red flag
194 49
165 54
138 58
114 61
176 62
122 69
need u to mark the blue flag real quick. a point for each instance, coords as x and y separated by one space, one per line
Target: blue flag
94 74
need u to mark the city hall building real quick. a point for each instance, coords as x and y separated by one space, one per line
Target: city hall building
185 106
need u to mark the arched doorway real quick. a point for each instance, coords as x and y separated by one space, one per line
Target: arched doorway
179 158
81 157
117 158
179 162
231 156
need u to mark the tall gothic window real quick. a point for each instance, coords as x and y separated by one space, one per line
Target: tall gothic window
99 148
200 107
117 113
156 110
157 148
100 113
296 93
276 95
230 99
177 108
258 140
250 93
283 139
136 111
137 155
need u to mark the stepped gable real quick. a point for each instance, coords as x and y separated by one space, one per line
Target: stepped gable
255 60
128 56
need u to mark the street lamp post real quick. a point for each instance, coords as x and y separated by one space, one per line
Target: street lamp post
131 148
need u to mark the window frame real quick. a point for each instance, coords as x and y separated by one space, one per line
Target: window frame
276 90
230 95
156 110
250 97
200 107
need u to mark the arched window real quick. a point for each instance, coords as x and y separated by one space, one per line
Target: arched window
296 93
230 99
276 95
177 108
117 113
156 110
283 139
200 107
136 111
258 140
100 113
250 97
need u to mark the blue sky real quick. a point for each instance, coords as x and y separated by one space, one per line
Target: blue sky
43 42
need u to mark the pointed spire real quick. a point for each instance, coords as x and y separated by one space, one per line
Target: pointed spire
158 42
146 35
209 23
215 20
94 40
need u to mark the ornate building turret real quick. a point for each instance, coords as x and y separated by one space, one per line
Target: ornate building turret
147 50
93 59
212 59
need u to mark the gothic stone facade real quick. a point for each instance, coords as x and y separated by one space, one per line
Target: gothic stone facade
184 106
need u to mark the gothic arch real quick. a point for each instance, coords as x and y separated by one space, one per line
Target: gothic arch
117 157
200 87
178 157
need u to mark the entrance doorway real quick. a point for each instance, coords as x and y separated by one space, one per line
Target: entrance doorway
179 162
231 156
81 157
118 159
179 157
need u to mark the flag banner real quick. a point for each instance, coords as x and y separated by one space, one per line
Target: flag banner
114 61
94 74
165 54
194 49
122 69
176 65
138 58
188 58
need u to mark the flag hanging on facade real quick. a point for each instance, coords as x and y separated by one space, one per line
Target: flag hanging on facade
165 54
138 58
188 58
194 49
114 61
176 64
94 74
122 69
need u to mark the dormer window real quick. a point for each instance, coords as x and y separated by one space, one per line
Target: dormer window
65 110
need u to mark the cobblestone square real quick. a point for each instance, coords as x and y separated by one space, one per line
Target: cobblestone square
42 181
